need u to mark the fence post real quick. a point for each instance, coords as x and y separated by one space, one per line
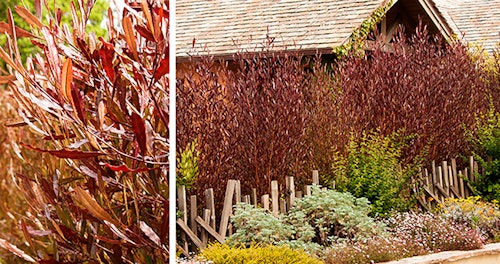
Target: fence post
275 197
209 198
254 197
193 214
315 177
228 207
237 192
446 178
265 201
290 192
181 196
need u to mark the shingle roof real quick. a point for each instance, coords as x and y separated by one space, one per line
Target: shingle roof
477 21
309 24
227 26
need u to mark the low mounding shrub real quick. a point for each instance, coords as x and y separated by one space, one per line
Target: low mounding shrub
433 232
371 169
372 250
315 222
225 254
475 213
408 234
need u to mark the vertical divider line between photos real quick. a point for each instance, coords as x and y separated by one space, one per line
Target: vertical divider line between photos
172 133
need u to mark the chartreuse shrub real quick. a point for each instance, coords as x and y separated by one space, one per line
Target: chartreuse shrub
314 223
255 253
371 168
486 143
187 165
474 212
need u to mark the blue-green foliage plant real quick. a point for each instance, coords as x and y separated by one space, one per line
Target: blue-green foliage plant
315 222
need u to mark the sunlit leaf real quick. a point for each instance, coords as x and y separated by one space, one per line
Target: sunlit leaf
150 233
147 13
129 36
28 17
16 251
91 205
67 79
7 78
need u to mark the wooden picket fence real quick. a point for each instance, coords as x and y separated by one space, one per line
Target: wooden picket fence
446 181
198 227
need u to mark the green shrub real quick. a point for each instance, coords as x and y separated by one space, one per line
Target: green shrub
475 213
486 143
225 254
371 169
316 221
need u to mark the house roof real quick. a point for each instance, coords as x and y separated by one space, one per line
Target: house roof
476 21
309 24
228 26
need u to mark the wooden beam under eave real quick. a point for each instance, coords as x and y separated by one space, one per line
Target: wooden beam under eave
437 19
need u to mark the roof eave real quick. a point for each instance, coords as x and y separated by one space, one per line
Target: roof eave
438 20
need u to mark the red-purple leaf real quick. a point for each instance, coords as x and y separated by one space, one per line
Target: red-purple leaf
20 33
51 52
65 153
162 69
161 12
139 129
106 54
124 168
78 103
145 33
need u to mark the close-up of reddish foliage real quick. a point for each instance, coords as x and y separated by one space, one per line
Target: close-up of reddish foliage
100 105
